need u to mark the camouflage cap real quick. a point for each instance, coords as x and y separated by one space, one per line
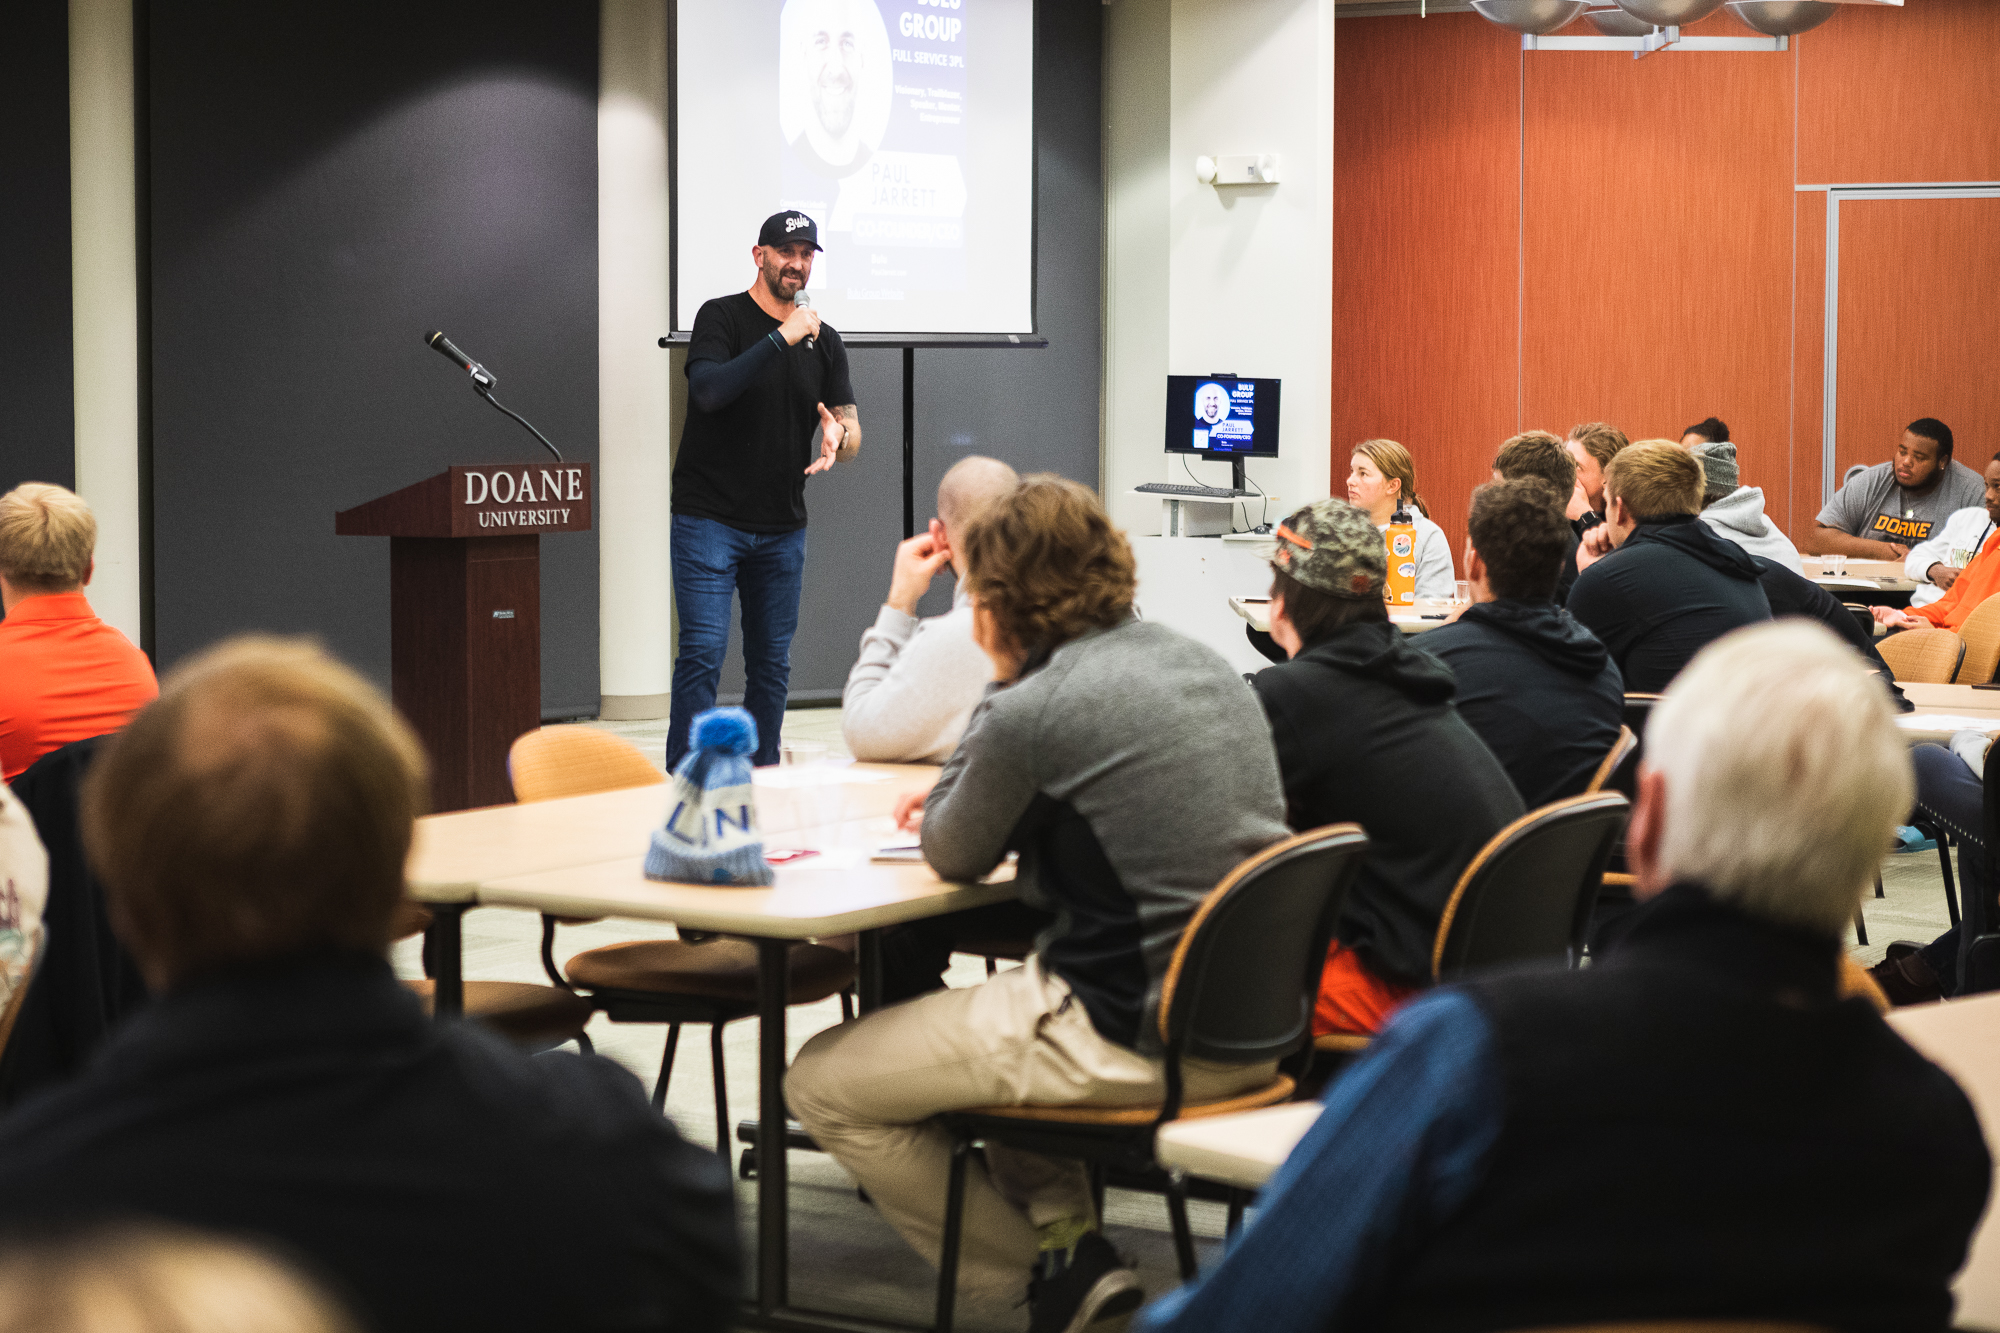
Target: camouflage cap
1334 548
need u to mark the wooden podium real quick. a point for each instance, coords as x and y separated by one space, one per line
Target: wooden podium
465 610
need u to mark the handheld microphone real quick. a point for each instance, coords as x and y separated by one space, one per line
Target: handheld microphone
804 302
449 350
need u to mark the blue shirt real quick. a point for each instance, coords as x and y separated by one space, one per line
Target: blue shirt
1403 1141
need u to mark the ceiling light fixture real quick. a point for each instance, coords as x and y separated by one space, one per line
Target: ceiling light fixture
1783 18
1616 22
1535 17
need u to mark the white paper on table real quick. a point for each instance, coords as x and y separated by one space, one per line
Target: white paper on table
814 775
1849 581
1946 722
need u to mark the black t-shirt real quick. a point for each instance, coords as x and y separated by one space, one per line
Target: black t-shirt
744 462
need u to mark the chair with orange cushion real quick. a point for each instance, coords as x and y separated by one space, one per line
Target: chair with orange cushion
1239 990
529 1015
713 981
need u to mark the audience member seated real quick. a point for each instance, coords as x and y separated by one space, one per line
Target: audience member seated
1935 565
251 827
1712 431
1887 509
916 683
1736 511
1657 584
1622 1143
1593 445
1537 687
1380 477
1796 595
64 674
1537 453
1121 761
1951 796
1976 576
1365 730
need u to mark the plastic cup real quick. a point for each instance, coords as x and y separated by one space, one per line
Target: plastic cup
792 753
1461 593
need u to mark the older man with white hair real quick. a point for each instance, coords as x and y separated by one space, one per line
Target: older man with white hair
1672 1133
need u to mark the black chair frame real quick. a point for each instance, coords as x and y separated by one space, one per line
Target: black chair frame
1202 1016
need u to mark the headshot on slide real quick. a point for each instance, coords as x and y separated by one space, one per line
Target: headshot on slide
1211 402
833 83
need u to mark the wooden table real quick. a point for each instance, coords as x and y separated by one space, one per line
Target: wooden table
1412 619
1869 582
1963 1037
583 856
1946 703
1242 1149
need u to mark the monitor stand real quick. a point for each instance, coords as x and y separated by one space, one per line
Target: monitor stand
1237 481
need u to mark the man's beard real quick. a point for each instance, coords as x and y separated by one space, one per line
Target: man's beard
834 104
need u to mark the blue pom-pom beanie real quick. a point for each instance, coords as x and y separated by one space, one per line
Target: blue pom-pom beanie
710 836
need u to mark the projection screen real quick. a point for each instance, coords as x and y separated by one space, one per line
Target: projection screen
904 128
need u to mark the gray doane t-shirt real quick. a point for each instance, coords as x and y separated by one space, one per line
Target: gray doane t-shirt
1873 506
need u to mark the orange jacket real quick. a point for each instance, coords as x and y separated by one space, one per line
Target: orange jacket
1977 582
65 676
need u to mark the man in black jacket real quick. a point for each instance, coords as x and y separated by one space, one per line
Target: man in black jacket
1657 584
1539 688
1365 730
251 828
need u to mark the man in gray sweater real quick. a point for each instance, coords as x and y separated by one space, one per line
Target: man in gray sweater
1126 765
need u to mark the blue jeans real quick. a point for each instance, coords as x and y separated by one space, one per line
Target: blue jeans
712 561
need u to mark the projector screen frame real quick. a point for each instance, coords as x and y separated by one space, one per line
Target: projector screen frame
1033 338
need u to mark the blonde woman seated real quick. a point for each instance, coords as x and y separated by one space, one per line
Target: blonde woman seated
1381 475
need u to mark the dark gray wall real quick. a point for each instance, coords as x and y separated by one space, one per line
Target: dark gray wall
327 183
1037 409
37 425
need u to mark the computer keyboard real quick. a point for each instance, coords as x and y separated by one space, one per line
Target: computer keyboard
1199 492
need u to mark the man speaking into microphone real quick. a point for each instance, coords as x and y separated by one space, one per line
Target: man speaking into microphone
769 404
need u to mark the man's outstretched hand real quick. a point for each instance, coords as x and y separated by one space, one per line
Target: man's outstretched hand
918 559
831 433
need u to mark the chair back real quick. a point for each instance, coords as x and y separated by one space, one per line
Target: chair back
1981 632
1528 895
1639 707
1614 758
575 760
1923 656
1241 985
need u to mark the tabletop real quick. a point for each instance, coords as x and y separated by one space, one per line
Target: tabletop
1241 1150
1821 567
1411 619
833 892
1963 1037
1945 710
453 854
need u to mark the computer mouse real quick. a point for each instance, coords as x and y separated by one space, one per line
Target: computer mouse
1262 527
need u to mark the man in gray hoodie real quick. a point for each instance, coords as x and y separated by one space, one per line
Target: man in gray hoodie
1736 512
1128 767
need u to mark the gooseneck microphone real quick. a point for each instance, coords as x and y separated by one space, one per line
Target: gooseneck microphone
448 349
483 381
804 302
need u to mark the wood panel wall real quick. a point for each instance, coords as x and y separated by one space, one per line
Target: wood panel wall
1664 265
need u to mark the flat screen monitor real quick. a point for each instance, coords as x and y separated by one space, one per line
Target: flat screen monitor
1223 417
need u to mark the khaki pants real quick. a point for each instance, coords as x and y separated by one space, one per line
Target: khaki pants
867 1090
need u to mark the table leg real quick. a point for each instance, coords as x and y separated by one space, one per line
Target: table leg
869 966
773 1240
444 959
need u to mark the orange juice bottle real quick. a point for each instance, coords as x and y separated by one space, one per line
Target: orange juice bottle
1401 536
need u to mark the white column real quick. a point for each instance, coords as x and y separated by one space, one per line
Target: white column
636 646
105 295
1250 276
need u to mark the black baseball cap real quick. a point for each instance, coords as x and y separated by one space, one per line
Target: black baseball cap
785 228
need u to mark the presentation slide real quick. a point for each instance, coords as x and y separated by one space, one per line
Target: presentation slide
904 128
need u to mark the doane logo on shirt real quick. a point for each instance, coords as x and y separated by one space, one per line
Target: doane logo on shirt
1910 529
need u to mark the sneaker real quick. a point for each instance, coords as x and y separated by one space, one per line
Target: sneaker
1098 1292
